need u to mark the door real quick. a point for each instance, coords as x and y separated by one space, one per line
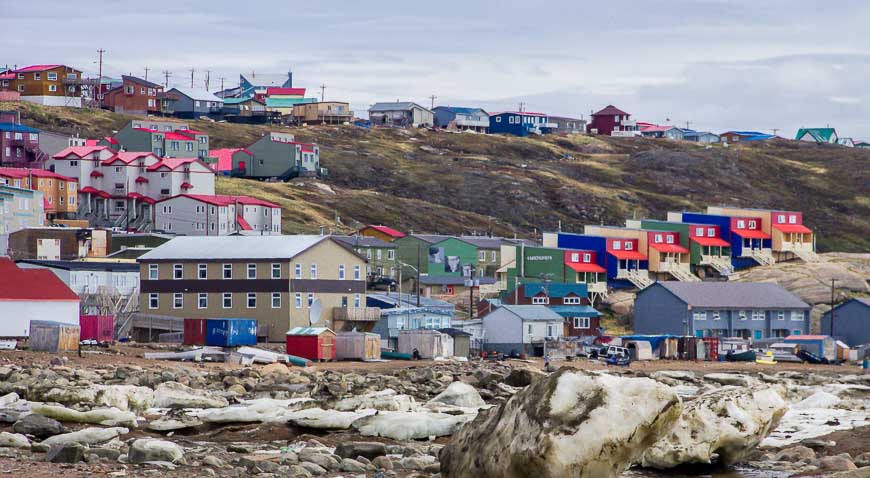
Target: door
757 335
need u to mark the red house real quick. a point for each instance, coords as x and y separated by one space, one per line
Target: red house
134 96
612 119
312 343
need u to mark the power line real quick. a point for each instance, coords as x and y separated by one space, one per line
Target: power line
100 79
166 75
191 77
207 78
322 92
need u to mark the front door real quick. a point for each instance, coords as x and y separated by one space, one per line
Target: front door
757 335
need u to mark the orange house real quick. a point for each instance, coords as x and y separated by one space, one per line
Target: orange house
59 192
50 85
383 233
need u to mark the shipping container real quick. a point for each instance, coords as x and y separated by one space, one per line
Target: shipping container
97 327
230 332
427 343
194 332
49 336
312 343
357 346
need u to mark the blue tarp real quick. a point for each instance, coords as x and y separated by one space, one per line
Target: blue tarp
654 340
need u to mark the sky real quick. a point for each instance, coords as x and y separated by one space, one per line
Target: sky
712 64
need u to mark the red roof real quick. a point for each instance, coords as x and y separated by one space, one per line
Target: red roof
672 248
225 157
141 179
653 128
7 76
610 110
711 241
31 284
148 200
176 136
89 190
171 163
186 185
91 142
36 68
751 234
96 174
111 140
793 228
80 151
388 231
128 157
285 91
629 255
585 267
37 173
189 131
243 223
219 200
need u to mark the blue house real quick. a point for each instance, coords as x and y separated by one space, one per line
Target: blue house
461 119
620 257
520 123
851 322
750 245
720 309
400 312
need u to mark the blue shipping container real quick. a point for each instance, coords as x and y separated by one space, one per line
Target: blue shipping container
230 332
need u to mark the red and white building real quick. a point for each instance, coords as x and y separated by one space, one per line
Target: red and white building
33 294
210 215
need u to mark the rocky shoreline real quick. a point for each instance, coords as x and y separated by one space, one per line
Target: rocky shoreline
441 419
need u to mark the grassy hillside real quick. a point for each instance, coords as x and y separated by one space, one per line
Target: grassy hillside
452 183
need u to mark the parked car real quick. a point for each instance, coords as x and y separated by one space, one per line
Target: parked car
382 283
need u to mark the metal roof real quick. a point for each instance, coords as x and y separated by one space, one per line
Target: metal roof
85 266
233 247
462 110
408 300
396 106
308 330
531 312
486 242
610 110
17 128
287 102
365 241
733 295
575 310
141 81
557 290
197 94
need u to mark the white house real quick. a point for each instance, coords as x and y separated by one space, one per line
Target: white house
27 295
521 328
210 215
88 277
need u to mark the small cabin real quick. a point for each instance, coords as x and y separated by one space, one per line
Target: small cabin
312 343
50 336
357 346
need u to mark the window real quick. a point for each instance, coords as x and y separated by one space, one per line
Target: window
716 315
529 329
177 271
741 224
751 224
52 88
481 255
587 257
780 315
314 271
379 251
391 254
37 76
153 301
699 315
152 271
551 330
252 300
298 300
629 246
571 301
669 239
797 315
310 299
142 90
20 88
540 300
617 245
369 254
202 301
498 119
276 271
575 257
797 332
252 271
52 76
177 301
357 300
297 271
792 219
227 300
341 272
356 273
757 315
581 322
658 238
711 231
129 89
780 219
742 314
202 271
228 271
189 146
276 300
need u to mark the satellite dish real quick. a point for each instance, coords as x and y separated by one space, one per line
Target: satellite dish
314 312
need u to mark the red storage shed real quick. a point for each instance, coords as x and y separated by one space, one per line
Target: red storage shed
312 343
194 332
97 327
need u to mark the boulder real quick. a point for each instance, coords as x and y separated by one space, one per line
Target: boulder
264 410
66 453
735 379
351 466
102 416
13 440
836 463
176 395
410 425
459 394
87 436
38 426
168 424
150 449
124 397
370 450
383 463
720 426
523 376
795 454
276 368
326 419
568 424
385 400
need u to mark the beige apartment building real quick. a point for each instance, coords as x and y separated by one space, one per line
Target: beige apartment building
273 279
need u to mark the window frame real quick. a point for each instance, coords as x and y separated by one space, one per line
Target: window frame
202 271
579 321
177 301
153 272
224 297
276 295
248 298
227 271
153 301
251 271
177 271
276 270
200 297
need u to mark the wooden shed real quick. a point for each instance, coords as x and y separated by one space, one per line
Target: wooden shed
461 341
427 343
50 336
312 343
357 346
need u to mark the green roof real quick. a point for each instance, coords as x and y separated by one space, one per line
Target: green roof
288 102
820 135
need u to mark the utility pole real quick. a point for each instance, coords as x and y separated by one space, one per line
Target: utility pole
417 282
687 124
100 79
146 73
522 105
191 77
832 306
433 98
222 82
775 131
207 78
166 74
322 92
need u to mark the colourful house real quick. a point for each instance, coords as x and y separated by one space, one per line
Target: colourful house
612 121
709 254
520 123
789 237
569 300
540 264
383 233
625 263
749 244
817 135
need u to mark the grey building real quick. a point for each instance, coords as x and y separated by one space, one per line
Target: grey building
704 137
163 138
720 309
851 322
461 119
402 114
521 328
191 103
401 313
566 125
53 143
278 155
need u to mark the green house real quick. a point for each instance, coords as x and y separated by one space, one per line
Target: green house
380 255
413 252
817 135
708 252
452 257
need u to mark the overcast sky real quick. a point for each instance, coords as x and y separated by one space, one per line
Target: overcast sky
718 64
